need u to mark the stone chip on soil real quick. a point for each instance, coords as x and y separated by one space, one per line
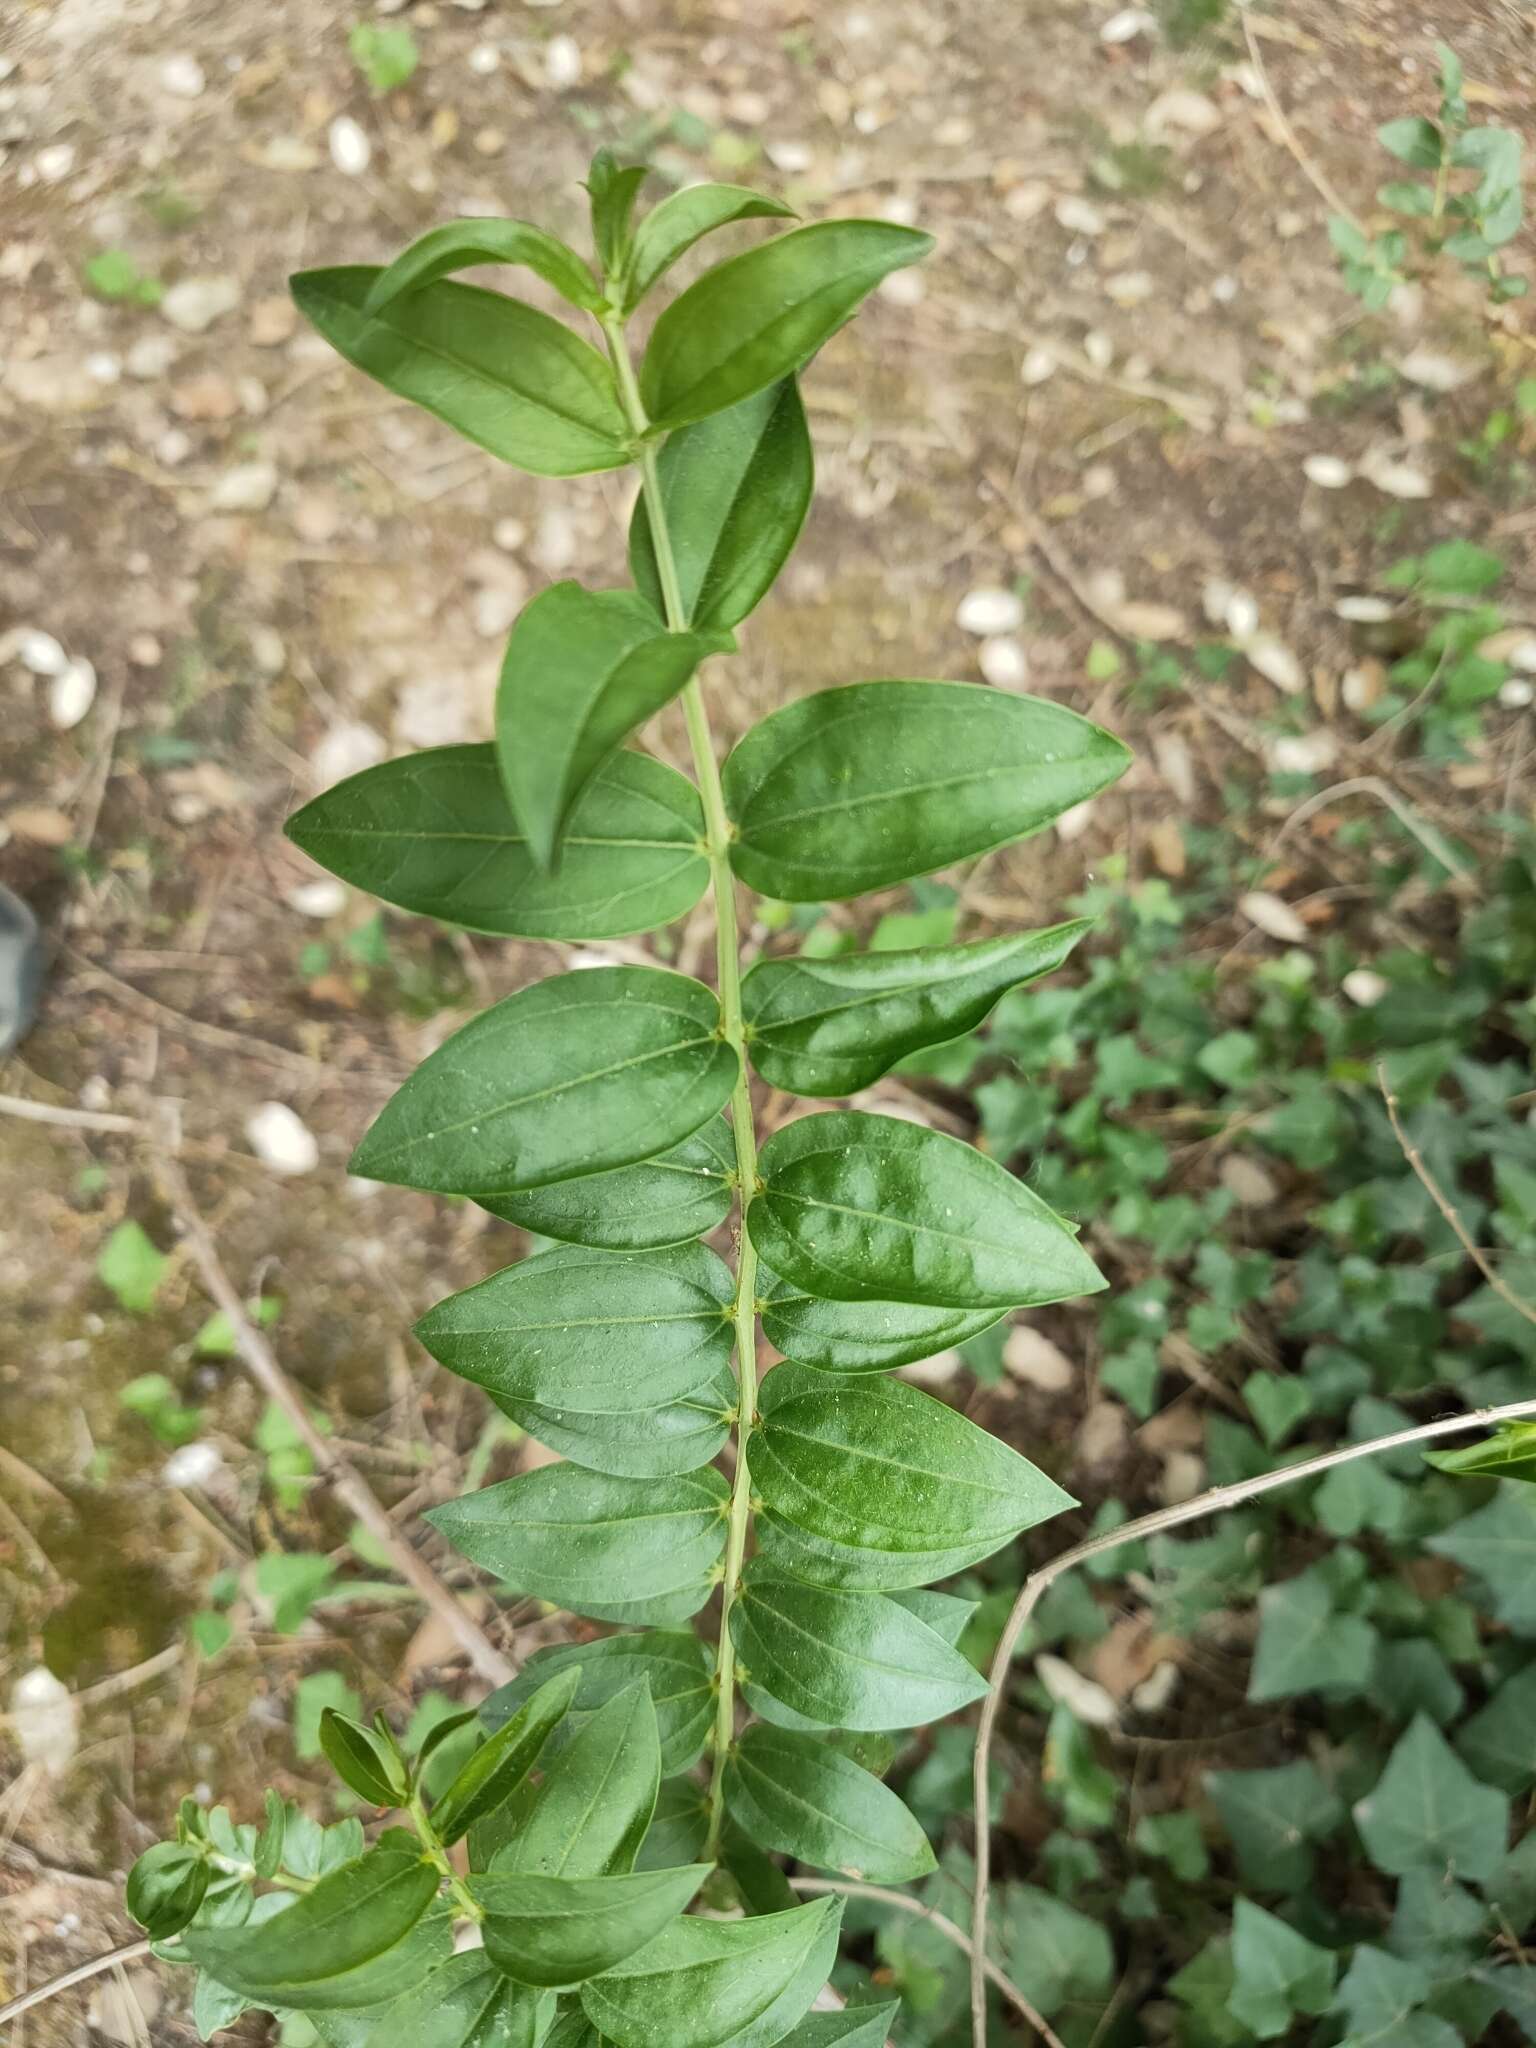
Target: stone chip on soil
281 1140
196 302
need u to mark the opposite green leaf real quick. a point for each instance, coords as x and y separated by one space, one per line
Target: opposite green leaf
590 1330
846 1660
832 1027
357 1939
856 2026
800 1797
590 1814
493 1773
1428 1812
680 1194
497 371
612 189
361 1760
434 833
762 315
680 220
718 1983
1510 1453
562 1930
580 1073
614 1549
677 1667
735 489
890 1487
873 783
860 1336
166 1886
467 2003
583 669
679 1436
869 1208
462 244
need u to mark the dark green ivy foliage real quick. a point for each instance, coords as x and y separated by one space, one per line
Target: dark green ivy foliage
611 1110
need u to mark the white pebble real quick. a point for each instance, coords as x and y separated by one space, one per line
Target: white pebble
345 750
1030 1356
791 157
1157 1689
55 162
1516 693
280 1140
1125 26
562 62
509 535
1364 610
1272 916
1365 987
44 1719
1003 662
904 288
196 302
1242 614
990 610
322 898
1330 472
483 60
71 694
41 653
493 610
1084 1698
183 77
1073 823
173 448
1224 290
1099 349
1275 662
1396 479
1038 365
248 487
1080 216
105 367
192 1465
351 151
1306 753
150 356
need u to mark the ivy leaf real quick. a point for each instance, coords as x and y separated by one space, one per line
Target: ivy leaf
583 669
682 1193
1304 1646
1428 1812
718 1983
1277 1972
735 489
1378 1997
615 1549
867 1208
563 1930
860 1336
434 833
1498 1743
501 373
491 1774
760 316
1498 1546
466 2003
889 1487
854 788
1274 1817
800 1797
846 1660
832 1027
358 1939
590 1814
465 244
670 229
575 1075
676 1666
1055 1954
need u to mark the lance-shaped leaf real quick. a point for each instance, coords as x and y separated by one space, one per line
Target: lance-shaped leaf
562 1930
676 1666
854 788
735 488
856 2026
588 1329
718 1983
861 1336
434 833
501 373
578 1074
762 315
462 244
832 1027
1510 1453
493 1773
868 1208
615 1549
802 1798
362 1760
359 1938
847 1660
679 1436
591 1812
670 229
682 1193
612 189
885 1486
467 2003
679 1827
583 668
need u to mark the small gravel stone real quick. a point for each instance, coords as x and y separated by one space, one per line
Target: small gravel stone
1003 662
1085 1698
192 1465
1330 472
1516 693
248 487
145 651
196 302
1030 1356
1275 662
1365 987
151 356
1080 216
989 610
55 163
322 898
281 1140
71 693
183 77
345 750
351 151
41 653
562 62
1038 365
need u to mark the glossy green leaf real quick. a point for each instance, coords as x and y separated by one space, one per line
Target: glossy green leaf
467 2003
861 1336
856 2026
679 1436
832 1027
799 1797
361 1760
463 244
679 1827
681 219
562 1930
675 1665
359 1938
1510 1453
612 189
166 1886
736 488
680 1194
847 1660
762 315
1428 1812
590 1330
434 833
501 373
615 1549
267 1856
583 668
873 783
869 1208
718 1983
885 1486
493 1772
580 1073
590 1814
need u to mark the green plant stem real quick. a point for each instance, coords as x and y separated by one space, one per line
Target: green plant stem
437 1855
728 957
248 1874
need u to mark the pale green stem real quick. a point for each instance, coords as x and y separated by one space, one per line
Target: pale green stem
728 956
467 1907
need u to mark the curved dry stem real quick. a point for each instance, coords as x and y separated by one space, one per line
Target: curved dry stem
81 1975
